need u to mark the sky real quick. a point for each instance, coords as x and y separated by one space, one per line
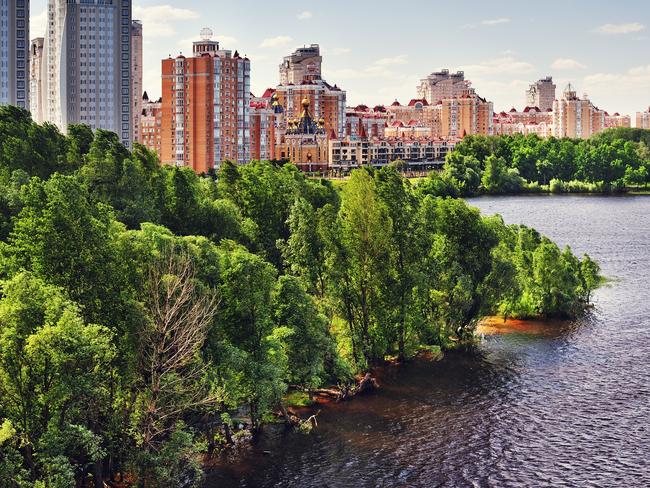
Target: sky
378 50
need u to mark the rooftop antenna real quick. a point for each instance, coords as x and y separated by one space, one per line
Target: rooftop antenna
206 34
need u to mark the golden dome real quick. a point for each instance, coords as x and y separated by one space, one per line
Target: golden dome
321 121
305 102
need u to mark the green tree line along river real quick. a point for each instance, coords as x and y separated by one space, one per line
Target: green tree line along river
613 161
146 311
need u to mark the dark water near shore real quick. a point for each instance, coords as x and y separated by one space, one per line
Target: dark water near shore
567 408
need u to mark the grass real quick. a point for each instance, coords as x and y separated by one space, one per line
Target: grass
298 399
339 183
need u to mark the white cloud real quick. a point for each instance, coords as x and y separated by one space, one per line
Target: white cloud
567 63
501 20
504 94
613 29
335 51
395 60
504 65
38 25
278 41
371 72
621 92
305 15
488 22
159 20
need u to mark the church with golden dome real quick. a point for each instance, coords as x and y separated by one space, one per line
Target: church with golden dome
304 141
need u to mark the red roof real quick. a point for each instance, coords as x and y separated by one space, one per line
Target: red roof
397 123
395 104
415 101
530 109
268 93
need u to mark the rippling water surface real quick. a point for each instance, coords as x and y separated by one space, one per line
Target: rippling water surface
567 408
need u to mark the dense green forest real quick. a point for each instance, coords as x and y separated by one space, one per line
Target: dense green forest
144 308
611 161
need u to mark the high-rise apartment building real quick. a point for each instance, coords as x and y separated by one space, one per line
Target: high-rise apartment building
206 107
36 74
643 119
88 73
442 85
465 115
151 124
263 119
575 117
300 79
304 64
14 52
136 77
541 94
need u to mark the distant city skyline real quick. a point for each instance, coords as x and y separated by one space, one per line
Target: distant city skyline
378 53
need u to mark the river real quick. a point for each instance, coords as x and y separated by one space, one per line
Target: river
568 407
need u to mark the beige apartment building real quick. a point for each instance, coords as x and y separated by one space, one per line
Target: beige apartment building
541 94
442 85
575 117
643 119
467 115
36 72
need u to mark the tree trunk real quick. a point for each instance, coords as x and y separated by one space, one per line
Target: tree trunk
98 480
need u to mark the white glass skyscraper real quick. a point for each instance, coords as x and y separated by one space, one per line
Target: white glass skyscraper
88 72
14 52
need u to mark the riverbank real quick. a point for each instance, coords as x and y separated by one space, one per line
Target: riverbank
586 189
499 325
520 409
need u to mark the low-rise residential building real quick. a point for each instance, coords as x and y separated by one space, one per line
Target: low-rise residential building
426 153
362 121
617 120
411 130
529 121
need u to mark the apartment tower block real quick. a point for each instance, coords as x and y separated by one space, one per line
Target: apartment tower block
88 65
541 94
14 52
205 107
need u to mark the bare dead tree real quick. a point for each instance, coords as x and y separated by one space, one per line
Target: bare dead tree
180 314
